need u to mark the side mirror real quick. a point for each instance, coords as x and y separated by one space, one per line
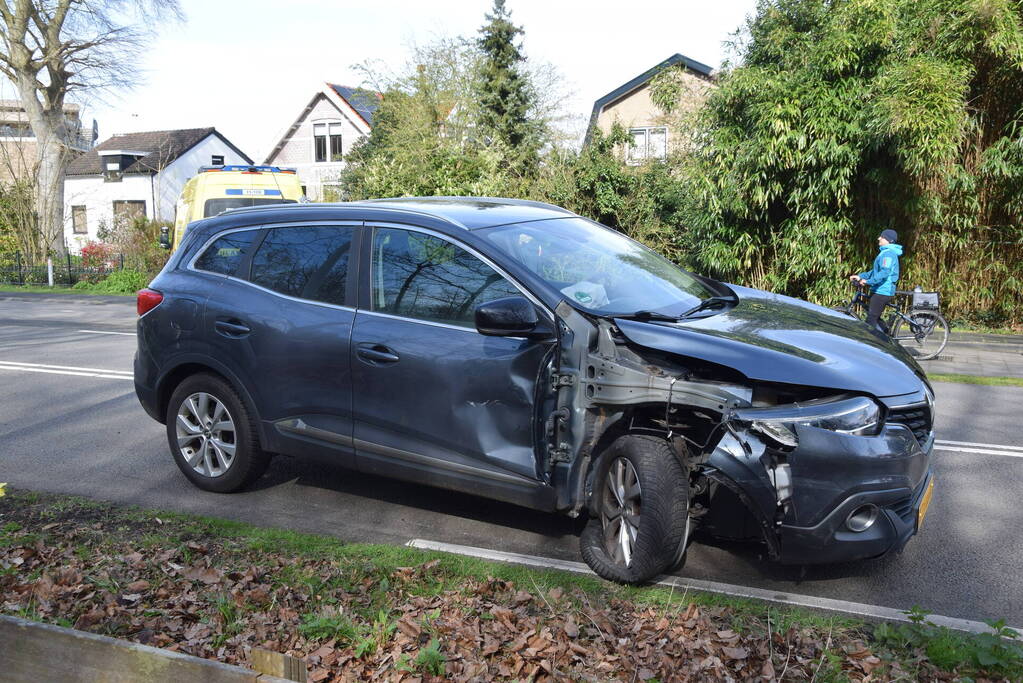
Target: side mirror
165 237
512 316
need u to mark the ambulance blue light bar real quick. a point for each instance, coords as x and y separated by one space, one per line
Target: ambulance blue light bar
247 169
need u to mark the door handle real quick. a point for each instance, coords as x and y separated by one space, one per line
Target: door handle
234 329
376 353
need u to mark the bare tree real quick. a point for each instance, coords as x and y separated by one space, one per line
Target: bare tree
49 48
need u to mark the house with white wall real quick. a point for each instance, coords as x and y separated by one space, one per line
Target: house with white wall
319 140
137 174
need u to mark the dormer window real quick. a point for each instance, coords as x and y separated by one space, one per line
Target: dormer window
116 161
217 160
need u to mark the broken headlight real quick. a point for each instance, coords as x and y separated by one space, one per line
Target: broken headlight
856 415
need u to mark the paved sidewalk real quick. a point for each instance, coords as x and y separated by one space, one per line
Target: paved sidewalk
970 353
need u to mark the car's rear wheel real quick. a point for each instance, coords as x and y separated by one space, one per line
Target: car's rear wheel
641 525
212 435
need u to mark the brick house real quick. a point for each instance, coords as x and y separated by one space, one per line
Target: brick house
18 155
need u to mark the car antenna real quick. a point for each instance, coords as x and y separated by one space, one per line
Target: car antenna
273 174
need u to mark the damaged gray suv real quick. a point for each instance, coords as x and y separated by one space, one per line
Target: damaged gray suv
519 352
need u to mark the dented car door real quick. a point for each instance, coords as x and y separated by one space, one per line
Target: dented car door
435 399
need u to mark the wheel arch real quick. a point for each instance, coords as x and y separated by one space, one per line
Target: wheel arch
187 367
637 419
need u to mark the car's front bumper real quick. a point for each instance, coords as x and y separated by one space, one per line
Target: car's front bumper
831 540
832 475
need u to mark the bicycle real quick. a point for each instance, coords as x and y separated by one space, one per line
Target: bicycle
919 327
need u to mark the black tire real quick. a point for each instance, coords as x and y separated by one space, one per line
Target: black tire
662 504
926 337
220 473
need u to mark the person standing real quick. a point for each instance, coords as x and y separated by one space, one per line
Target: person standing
882 277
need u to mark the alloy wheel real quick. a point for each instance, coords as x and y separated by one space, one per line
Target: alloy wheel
206 434
620 511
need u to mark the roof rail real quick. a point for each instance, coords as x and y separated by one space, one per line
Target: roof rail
247 169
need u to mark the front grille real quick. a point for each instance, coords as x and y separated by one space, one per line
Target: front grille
917 418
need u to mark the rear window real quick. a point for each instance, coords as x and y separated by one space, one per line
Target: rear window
212 207
225 254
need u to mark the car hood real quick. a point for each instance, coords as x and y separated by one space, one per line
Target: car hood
774 338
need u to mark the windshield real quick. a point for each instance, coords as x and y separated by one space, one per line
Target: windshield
597 268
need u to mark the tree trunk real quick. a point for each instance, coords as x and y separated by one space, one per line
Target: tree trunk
48 127
50 192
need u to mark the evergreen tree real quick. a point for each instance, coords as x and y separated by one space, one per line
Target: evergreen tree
505 96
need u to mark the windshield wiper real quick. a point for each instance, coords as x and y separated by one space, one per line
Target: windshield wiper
711 301
648 315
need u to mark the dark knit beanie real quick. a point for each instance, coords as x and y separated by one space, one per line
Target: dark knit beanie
890 235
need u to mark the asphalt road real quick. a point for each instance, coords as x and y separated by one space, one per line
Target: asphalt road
86 434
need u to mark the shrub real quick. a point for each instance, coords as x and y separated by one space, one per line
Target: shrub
120 282
139 242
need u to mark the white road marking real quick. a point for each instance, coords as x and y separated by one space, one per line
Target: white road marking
128 334
939 444
67 370
945 442
981 448
875 612
982 451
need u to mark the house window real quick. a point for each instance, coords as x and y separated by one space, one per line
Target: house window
217 160
647 143
127 210
78 220
327 139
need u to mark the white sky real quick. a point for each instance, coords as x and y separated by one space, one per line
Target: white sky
248 67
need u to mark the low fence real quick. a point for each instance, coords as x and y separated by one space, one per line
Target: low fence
68 269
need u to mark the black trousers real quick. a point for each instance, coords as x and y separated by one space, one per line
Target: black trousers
877 304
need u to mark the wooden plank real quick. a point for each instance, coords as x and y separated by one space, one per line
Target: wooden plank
30 651
277 664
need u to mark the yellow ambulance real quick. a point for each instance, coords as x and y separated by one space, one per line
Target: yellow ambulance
215 189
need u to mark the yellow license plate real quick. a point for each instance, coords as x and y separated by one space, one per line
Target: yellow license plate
925 502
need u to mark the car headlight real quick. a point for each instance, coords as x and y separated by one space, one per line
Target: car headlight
857 415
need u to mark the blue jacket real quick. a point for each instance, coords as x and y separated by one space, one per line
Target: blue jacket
885 273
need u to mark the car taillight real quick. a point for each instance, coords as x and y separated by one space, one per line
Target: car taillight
147 300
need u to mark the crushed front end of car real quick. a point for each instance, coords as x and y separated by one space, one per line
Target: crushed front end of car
821 458
826 480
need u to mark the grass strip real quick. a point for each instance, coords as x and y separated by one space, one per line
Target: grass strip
216 588
976 379
39 289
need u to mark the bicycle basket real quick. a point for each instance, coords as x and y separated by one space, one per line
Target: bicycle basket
926 300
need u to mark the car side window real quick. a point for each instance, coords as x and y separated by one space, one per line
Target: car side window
226 253
309 262
416 275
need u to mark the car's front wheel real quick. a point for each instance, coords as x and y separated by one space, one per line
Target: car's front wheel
641 525
212 435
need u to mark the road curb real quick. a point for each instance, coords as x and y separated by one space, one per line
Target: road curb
981 337
75 298
855 609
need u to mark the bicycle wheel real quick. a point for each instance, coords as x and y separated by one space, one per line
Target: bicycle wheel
924 335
